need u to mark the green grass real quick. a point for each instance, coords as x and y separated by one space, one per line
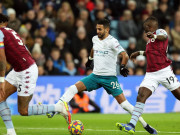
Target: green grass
95 124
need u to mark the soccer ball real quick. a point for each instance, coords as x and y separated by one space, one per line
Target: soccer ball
76 127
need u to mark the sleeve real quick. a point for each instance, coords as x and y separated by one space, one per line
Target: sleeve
1 39
117 47
161 32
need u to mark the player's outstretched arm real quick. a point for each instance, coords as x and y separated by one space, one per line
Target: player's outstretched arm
123 70
92 53
135 54
125 58
157 37
90 59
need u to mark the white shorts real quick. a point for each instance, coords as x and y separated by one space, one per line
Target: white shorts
165 76
25 81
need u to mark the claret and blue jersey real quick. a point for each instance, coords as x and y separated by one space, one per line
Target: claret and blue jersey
15 50
156 53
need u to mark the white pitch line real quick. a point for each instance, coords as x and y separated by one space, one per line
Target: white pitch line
98 130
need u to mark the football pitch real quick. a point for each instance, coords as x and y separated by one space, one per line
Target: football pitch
94 124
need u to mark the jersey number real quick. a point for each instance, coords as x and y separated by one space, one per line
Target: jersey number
20 41
19 88
15 35
115 85
170 79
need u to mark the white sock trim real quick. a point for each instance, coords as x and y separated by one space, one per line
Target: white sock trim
127 106
69 94
74 88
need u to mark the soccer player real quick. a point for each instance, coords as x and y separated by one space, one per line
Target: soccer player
22 78
158 71
105 51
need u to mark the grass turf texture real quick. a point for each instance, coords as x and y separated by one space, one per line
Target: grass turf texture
94 124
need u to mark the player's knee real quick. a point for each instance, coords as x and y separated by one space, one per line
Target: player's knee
141 97
23 112
143 94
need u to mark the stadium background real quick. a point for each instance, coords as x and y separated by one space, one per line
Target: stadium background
58 33
50 89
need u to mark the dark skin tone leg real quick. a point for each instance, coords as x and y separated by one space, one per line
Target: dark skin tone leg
80 86
8 90
176 93
23 104
120 98
143 94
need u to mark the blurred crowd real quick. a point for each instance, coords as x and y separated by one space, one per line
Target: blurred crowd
59 33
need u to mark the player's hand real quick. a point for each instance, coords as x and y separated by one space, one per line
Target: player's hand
124 71
134 55
89 63
150 35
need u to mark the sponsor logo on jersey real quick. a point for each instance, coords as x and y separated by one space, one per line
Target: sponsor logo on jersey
100 52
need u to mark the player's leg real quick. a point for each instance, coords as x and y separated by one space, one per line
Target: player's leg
27 110
170 81
173 86
24 97
67 96
10 88
26 81
40 109
136 112
143 95
72 90
5 112
128 107
112 86
88 83
176 93
149 85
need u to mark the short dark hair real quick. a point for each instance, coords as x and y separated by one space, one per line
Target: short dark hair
151 18
3 18
104 22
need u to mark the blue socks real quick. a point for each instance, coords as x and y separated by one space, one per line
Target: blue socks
40 109
138 110
5 113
